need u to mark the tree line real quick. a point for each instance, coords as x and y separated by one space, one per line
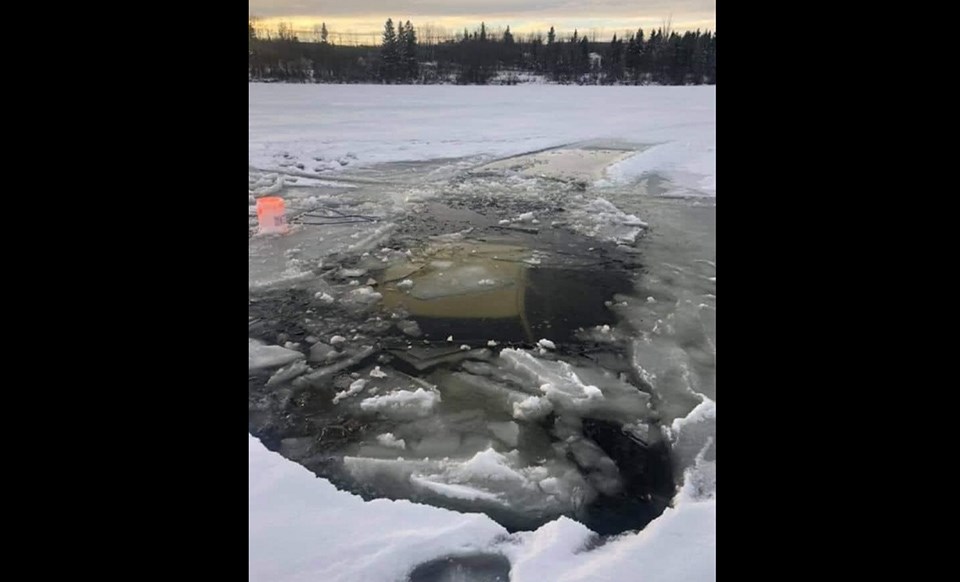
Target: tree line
659 56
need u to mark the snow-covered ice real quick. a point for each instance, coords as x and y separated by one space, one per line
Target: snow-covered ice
291 123
302 528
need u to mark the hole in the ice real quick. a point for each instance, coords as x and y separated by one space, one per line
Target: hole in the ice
436 392
478 291
476 568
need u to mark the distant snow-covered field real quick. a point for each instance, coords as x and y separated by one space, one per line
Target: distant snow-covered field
327 128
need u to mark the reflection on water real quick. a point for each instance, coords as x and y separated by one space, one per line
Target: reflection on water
477 292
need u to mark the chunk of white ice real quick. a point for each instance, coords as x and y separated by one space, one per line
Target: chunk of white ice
403 404
261 355
388 440
355 387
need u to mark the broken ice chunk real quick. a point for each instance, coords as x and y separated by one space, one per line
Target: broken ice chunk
354 388
388 440
508 432
364 295
577 389
264 356
288 373
532 408
550 485
403 404
324 373
423 358
410 328
452 237
602 471
452 490
323 353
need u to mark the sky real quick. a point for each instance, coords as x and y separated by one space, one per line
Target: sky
363 19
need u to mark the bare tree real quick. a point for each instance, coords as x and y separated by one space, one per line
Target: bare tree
666 25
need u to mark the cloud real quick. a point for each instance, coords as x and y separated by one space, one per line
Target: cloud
362 20
489 9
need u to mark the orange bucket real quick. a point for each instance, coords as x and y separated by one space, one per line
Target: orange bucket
271 214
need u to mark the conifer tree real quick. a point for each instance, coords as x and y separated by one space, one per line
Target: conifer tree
401 50
409 42
389 52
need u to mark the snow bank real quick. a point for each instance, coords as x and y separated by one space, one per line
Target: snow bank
678 546
302 528
690 164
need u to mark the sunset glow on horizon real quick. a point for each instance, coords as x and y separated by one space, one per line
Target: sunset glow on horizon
362 21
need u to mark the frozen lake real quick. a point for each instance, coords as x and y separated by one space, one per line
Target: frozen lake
492 300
